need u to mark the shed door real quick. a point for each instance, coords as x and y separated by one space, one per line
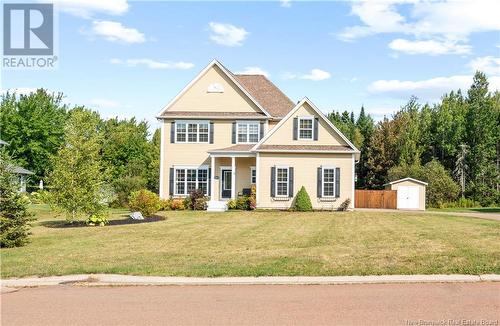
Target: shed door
408 197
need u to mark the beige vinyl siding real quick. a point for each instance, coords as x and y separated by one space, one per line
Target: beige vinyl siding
197 99
305 174
284 135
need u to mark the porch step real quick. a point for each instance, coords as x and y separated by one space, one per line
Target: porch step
216 206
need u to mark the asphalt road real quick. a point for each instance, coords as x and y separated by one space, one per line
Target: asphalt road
380 304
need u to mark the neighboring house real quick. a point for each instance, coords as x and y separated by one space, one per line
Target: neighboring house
224 133
21 173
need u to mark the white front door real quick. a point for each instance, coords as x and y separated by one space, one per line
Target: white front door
408 197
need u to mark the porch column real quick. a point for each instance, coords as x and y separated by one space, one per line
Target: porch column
233 177
212 179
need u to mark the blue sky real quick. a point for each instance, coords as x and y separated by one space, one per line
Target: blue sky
130 58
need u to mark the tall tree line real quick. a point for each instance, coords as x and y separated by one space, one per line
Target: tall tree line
461 133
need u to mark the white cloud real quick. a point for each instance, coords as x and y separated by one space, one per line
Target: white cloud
447 22
428 89
103 103
316 75
87 8
227 34
153 64
286 3
116 32
430 47
253 71
289 76
489 65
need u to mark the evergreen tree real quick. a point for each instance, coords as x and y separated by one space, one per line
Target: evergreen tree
366 127
462 168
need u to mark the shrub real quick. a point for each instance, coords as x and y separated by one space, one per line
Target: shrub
344 206
177 204
144 201
302 201
124 186
231 204
243 203
200 204
99 219
186 202
193 197
252 203
165 204
461 203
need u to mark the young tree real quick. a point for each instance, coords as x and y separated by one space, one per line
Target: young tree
461 167
366 127
77 177
14 216
31 124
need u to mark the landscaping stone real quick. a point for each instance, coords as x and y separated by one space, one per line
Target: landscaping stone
136 216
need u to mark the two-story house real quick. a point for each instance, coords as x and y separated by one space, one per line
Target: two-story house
224 133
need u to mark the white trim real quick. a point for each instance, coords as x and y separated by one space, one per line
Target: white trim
301 151
249 122
311 118
406 179
222 167
185 168
212 178
328 167
228 74
257 183
233 177
287 181
186 133
320 114
162 157
353 180
252 168
231 154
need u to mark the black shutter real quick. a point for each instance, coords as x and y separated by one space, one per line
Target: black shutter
295 128
316 123
233 135
319 183
211 133
171 182
273 180
290 182
172 132
209 180
261 132
337 182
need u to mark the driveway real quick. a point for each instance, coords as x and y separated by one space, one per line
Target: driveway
487 216
387 304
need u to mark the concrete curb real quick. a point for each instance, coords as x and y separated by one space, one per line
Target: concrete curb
124 280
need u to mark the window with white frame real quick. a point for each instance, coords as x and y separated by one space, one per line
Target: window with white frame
189 179
328 182
282 181
191 132
253 175
248 132
306 128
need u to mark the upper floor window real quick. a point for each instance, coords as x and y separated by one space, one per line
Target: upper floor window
248 132
191 132
282 181
306 127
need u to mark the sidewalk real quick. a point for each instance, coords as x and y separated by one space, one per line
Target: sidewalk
125 280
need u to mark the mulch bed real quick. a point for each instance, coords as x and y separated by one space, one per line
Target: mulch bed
125 221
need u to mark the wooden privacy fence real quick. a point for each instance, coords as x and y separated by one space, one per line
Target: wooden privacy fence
376 199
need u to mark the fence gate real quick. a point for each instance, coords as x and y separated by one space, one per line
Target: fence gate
376 199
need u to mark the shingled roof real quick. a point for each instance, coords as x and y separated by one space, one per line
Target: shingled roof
266 94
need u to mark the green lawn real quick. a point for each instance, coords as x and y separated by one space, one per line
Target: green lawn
261 243
470 210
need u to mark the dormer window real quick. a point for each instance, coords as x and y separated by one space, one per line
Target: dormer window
306 128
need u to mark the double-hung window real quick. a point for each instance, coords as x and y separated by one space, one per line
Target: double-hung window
248 132
253 175
189 179
328 182
191 132
282 181
306 128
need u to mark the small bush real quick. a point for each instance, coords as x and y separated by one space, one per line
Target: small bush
144 201
193 197
200 204
252 203
99 219
165 204
345 205
124 186
231 204
177 204
186 201
243 203
302 201
461 203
